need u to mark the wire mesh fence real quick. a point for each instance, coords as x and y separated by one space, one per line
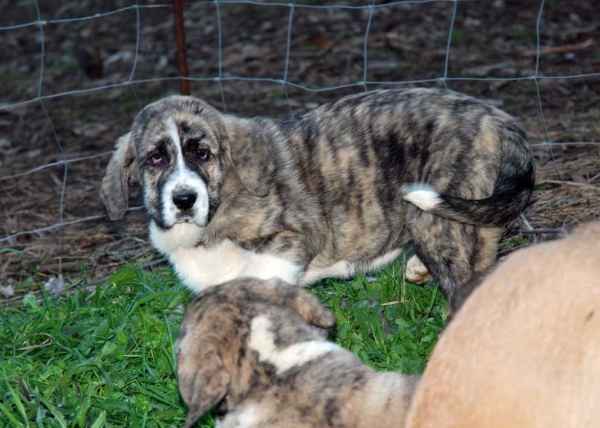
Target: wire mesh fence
75 74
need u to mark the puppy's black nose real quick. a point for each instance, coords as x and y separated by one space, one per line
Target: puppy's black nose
184 201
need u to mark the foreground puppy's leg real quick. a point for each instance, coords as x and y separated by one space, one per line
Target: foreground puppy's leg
416 271
278 293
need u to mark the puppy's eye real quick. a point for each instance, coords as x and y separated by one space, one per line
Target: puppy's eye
155 158
203 154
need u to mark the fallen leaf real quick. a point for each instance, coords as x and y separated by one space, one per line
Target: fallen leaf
578 178
320 41
54 284
7 291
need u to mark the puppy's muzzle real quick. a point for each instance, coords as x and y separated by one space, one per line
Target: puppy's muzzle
184 201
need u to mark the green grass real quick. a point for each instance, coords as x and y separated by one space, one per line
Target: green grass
106 358
516 241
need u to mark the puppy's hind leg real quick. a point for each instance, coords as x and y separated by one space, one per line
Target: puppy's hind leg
416 271
453 252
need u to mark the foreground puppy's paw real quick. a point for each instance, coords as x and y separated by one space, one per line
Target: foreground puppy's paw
416 271
422 195
280 293
312 310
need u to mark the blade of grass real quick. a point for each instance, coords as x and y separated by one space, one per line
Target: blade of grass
57 415
11 417
16 399
100 420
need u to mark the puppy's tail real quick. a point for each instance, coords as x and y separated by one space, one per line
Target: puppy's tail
512 194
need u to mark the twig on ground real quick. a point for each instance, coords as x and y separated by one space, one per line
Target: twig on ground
570 183
559 49
540 231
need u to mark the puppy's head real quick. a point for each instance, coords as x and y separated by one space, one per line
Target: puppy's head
179 148
213 339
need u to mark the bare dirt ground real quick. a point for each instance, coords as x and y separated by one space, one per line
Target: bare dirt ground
406 42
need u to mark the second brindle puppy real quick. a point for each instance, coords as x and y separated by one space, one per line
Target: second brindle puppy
258 350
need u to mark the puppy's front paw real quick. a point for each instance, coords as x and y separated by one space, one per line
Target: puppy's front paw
416 271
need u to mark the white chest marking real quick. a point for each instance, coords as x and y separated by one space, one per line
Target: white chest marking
262 340
201 267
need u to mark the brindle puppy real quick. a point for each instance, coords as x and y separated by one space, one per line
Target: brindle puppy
259 350
327 194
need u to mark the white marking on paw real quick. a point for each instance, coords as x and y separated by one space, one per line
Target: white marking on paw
416 271
422 195
262 340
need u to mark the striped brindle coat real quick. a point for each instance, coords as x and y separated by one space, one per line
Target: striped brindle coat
340 190
258 351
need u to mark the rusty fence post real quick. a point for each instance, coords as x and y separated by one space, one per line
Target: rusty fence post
181 53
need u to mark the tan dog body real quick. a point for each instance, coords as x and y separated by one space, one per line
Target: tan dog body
260 350
524 350
327 194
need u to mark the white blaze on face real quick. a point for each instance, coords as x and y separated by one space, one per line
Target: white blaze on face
183 181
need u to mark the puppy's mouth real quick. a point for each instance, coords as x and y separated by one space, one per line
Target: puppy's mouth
191 217
187 218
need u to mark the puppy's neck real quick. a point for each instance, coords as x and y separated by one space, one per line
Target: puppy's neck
268 338
186 235
273 346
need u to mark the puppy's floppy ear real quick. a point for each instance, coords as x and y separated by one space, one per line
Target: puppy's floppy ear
303 302
121 172
203 381
249 150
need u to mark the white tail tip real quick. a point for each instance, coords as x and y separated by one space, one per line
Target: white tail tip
422 195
